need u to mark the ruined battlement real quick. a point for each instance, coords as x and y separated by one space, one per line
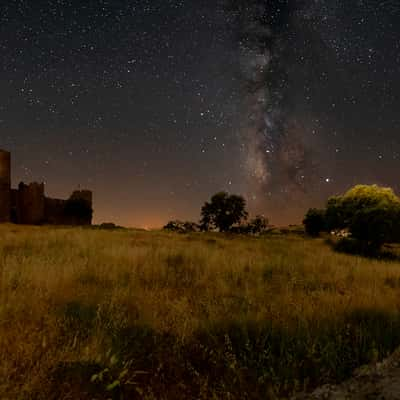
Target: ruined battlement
5 186
85 195
28 204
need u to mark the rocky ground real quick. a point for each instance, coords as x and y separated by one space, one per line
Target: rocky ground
378 381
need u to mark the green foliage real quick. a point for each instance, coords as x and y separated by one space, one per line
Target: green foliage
117 378
369 212
334 214
362 196
223 212
314 221
341 210
376 225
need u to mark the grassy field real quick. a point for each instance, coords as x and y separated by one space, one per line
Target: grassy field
92 314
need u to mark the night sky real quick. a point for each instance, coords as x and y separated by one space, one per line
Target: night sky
156 105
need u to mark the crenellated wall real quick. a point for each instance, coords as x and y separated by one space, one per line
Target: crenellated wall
29 205
5 186
54 211
85 195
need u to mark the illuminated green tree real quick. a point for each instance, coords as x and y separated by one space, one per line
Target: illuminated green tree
369 212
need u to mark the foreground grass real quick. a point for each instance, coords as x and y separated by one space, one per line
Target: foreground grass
90 314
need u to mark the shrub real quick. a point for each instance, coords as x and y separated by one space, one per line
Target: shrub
257 225
334 218
341 210
181 227
371 214
376 225
108 225
314 221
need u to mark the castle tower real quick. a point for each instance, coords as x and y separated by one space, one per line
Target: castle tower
5 186
84 196
31 203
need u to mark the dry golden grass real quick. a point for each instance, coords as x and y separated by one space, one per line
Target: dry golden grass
124 314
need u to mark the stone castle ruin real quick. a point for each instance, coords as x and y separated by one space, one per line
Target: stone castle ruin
29 205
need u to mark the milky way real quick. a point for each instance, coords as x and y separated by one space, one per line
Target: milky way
275 155
312 70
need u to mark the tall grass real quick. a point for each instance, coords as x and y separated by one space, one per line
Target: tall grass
91 314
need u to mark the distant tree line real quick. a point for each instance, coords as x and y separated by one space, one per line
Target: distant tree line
223 213
365 218
368 215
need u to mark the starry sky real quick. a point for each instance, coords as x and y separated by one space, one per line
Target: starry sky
156 105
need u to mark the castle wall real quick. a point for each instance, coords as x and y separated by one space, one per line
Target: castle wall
54 211
31 204
85 195
28 204
5 186
14 206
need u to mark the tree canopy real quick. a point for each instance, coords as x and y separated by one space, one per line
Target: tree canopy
223 212
341 210
370 213
257 225
314 221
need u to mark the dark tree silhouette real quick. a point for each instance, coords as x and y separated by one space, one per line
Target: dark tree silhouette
257 225
223 212
375 226
314 221
181 226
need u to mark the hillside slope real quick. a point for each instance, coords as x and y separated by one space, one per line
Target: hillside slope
376 381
